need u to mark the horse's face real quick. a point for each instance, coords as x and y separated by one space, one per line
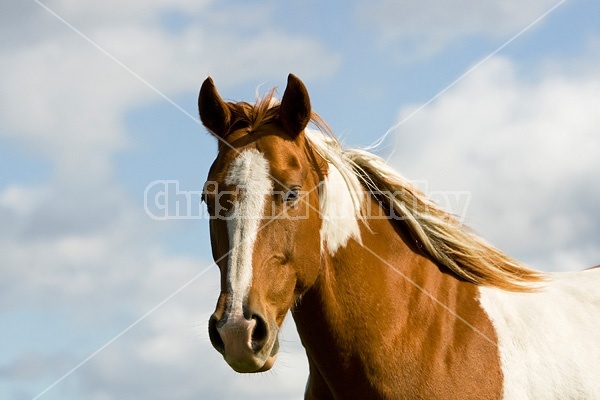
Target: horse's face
261 194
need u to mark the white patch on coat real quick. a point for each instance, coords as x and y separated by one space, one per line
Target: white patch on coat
249 172
338 212
549 341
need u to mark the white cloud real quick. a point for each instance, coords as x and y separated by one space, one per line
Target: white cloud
424 27
528 151
171 364
115 10
66 100
19 200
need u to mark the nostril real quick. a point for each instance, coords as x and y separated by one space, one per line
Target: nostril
215 337
260 333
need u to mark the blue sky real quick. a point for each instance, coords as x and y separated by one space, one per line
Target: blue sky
85 127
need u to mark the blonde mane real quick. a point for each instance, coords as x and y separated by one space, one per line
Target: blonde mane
437 233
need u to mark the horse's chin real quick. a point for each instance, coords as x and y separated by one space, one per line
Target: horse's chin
249 369
270 361
268 364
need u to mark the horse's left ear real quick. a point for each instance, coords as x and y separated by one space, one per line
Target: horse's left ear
295 106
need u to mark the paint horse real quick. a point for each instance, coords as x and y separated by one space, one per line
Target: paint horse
392 297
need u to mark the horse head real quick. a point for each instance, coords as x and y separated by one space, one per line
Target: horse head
264 218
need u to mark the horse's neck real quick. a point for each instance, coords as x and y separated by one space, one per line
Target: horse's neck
379 298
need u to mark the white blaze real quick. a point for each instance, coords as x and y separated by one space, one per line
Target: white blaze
249 172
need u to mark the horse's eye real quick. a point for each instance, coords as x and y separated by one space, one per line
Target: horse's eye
292 195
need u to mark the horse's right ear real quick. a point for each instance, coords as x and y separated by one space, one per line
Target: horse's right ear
214 113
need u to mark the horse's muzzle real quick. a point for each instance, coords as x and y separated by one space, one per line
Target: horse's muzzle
248 345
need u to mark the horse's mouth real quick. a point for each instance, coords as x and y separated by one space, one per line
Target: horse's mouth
256 363
268 364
